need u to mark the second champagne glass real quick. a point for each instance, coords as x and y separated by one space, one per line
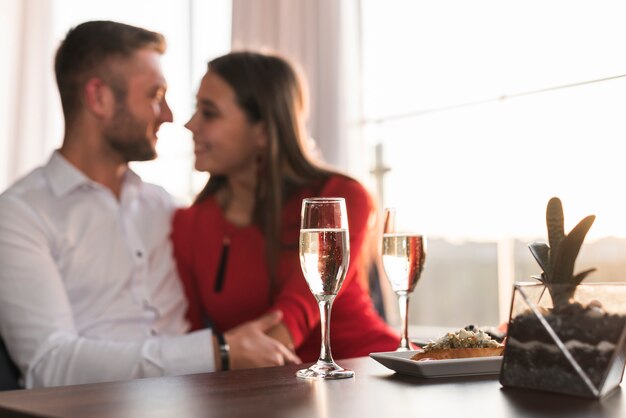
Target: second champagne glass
403 256
324 258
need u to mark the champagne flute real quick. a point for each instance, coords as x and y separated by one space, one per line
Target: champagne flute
403 255
324 258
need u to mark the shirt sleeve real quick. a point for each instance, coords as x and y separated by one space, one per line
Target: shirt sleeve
37 322
299 307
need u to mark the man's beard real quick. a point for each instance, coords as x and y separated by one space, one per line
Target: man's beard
127 136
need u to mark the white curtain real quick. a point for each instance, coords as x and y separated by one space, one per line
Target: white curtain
322 37
29 106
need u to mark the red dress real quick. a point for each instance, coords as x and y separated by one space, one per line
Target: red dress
199 233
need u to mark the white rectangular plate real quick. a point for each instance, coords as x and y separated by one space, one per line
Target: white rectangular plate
401 363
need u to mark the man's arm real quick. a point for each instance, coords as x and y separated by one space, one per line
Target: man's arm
37 322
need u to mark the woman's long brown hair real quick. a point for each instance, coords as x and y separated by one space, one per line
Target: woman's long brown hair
269 90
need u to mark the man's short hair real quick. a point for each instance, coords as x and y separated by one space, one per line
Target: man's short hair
87 52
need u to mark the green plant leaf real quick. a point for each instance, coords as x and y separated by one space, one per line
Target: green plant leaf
581 276
555 223
561 294
565 256
541 252
541 278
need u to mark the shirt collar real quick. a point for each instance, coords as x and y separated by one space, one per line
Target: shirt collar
131 185
64 177
132 178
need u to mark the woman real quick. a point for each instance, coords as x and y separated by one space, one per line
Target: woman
237 245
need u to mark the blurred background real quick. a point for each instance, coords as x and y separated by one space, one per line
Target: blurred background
467 115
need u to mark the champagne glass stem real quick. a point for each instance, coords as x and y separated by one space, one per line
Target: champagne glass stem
325 308
403 304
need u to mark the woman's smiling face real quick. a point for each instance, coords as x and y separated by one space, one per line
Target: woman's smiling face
226 142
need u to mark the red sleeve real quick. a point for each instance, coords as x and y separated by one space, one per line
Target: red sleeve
300 309
182 237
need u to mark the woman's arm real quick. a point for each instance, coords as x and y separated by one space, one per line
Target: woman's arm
300 309
182 240
281 334
250 345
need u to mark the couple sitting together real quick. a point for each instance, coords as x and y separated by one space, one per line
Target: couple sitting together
102 279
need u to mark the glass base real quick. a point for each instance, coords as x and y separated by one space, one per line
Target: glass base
323 370
401 348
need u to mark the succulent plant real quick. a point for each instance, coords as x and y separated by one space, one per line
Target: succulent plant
557 259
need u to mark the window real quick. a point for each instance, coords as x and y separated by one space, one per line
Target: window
485 110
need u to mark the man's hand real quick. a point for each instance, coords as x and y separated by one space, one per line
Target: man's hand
251 347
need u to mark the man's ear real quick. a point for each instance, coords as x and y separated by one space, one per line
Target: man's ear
99 98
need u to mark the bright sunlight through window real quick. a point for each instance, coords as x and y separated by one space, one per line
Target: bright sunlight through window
484 171
484 110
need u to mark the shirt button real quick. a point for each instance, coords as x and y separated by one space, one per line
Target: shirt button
139 254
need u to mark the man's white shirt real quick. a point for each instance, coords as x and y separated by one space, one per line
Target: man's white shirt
88 285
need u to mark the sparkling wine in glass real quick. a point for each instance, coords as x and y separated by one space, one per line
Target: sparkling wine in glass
324 258
403 255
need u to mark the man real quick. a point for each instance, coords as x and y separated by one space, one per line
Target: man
88 287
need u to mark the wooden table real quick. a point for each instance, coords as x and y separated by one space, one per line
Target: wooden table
276 392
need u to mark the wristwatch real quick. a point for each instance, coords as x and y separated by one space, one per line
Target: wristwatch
224 351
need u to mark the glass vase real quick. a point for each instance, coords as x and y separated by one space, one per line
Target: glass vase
574 347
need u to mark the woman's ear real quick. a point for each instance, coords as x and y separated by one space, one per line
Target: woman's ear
99 98
261 137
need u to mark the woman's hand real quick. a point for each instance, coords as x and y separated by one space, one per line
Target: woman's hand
251 347
281 333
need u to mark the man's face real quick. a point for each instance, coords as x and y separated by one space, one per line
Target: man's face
132 131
